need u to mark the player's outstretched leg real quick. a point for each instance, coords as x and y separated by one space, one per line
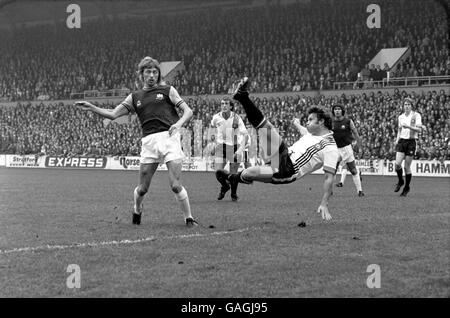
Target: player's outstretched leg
256 173
254 115
270 141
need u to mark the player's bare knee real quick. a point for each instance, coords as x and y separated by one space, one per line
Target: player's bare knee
353 171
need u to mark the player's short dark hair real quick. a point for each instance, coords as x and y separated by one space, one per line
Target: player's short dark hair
338 106
228 99
321 114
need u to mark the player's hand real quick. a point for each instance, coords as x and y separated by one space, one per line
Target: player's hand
296 121
173 129
84 105
323 210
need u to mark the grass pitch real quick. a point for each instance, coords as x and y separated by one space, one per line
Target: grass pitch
50 219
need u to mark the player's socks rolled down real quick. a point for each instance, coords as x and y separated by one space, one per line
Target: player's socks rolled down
408 177
183 198
357 181
254 115
400 175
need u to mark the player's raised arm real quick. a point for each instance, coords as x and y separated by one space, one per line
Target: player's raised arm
118 111
179 102
303 131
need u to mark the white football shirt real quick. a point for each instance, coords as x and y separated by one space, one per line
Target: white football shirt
225 131
310 153
414 119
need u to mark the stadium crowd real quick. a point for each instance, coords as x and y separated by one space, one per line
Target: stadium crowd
63 129
295 47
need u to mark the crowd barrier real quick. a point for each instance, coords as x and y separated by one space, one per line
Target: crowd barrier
379 167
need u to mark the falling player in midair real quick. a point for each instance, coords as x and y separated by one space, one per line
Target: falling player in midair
345 133
409 127
317 149
155 105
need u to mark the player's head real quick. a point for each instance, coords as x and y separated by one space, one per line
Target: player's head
408 104
226 105
318 119
149 71
338 110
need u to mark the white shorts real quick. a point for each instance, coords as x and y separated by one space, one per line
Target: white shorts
346 154
160 146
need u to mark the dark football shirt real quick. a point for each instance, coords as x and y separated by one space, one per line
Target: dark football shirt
155 110
342 132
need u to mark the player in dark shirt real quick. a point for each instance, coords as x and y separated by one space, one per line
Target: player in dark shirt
155 105
345 133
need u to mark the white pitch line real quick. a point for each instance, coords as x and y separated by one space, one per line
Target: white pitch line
121 242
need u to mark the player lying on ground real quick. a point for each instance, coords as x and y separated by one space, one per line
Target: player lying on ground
316 149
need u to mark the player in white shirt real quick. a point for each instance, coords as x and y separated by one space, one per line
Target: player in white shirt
316 149
409 127
232 138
